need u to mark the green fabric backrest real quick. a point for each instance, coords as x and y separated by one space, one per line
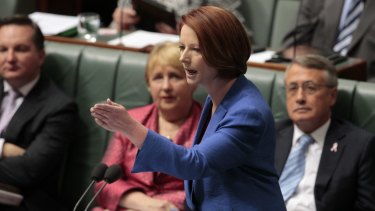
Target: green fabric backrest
344 103
259 17
277 103
284 20
264 80
363 104
61 64
130 88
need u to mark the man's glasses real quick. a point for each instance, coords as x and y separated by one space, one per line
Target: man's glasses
308 87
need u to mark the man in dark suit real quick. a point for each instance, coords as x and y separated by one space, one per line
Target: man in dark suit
318 25
339 171
33 142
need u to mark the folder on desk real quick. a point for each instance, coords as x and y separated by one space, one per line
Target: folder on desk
54 24
140 39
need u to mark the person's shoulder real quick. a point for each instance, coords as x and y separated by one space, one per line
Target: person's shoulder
356 138
351 129
283 124
54 93
244 91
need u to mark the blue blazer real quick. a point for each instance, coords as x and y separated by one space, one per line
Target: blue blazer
232 166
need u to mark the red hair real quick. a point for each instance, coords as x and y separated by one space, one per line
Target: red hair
222 38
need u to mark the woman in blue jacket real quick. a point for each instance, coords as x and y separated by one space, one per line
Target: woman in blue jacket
231 163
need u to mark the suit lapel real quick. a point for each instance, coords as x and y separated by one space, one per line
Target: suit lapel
367 20
330 155
1 91
27 110
283 146
202 122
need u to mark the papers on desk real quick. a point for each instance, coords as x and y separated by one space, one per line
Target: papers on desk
141 39
53 24
261 57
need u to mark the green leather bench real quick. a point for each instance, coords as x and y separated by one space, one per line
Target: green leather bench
92 74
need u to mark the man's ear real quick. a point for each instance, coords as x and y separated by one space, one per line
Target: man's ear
333 95
42 57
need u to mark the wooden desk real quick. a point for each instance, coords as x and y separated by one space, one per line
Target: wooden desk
353 68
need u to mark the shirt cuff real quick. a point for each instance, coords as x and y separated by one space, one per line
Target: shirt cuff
1 146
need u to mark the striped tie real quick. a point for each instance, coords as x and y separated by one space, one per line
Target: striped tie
351 22
295 167
9 108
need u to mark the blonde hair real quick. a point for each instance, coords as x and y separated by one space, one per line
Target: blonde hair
164 54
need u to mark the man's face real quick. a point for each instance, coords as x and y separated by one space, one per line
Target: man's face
20 60
309 99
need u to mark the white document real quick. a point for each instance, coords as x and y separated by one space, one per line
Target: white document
141 39
52 24
261 57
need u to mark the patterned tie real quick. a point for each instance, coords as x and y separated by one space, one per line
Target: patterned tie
351 22
294 167
9 108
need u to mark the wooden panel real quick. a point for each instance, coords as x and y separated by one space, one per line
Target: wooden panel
64 7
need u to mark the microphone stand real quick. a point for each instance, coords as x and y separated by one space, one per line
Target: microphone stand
96 194
84 194
112 174
96 176
121 4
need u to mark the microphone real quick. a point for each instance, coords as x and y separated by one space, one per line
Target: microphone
112 174
121 4
297 29
97 175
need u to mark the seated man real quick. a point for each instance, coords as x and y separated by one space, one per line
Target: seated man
36 119
324 163
342 26
125 17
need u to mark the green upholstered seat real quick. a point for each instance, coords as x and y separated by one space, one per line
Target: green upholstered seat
259 17
363 106
130 88
263 80
284 20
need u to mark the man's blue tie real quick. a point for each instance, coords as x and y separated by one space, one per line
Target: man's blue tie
345 34
295 167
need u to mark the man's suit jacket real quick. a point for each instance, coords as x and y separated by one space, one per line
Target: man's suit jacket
231 166
346 178
319 21
43 125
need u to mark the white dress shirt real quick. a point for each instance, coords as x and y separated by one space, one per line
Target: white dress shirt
303 199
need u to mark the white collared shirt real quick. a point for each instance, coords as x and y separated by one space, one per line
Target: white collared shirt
24 90
303 199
